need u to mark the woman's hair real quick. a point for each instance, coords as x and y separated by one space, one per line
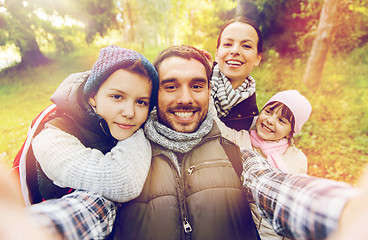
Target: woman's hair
286 113
246 21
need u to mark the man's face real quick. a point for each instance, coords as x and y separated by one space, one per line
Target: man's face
183 95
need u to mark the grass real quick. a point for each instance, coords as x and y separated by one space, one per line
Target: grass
24 93
335 138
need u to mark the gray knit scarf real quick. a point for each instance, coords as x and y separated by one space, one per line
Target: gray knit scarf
223 94
172 140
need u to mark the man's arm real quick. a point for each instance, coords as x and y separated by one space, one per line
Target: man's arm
297 206
79 215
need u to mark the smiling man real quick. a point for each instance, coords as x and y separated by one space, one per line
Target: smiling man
184 94
192 190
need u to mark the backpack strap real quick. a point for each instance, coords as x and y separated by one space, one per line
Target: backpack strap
233 152
20 164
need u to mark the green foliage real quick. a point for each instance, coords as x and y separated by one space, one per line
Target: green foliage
29 24
205 21
290 26
173 21
284 21
352 30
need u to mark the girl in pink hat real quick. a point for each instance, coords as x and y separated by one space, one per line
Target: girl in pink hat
280 119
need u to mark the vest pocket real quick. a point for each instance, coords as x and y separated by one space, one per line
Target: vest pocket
195 167
209 177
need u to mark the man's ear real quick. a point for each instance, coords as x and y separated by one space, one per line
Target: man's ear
216 56
92 101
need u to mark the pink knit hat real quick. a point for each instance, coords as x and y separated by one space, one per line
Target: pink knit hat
298 105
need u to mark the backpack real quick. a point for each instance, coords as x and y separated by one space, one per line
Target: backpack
24 164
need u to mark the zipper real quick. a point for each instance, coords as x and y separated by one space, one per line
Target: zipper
198 166
187 228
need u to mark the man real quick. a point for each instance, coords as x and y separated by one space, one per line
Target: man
192 189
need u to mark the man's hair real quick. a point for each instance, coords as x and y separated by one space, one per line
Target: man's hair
186 52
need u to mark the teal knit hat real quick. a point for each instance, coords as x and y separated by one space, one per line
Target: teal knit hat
113 58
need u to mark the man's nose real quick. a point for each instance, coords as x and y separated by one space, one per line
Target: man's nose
185 96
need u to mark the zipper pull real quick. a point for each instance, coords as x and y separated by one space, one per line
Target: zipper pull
191 169
187 227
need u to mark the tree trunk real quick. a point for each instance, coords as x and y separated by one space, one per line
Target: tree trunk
24 36
322 42
246 8
131 23
31 54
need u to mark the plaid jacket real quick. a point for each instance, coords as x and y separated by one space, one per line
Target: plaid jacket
78 215
297 206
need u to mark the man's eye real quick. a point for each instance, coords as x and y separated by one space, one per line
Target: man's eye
227 44
247 46
170 87
197 86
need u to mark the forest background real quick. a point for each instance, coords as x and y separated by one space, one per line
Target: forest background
43 41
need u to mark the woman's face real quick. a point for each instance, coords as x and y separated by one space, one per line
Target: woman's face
237 53
123 102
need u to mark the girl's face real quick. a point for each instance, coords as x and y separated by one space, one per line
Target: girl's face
271 125
237 53
123 102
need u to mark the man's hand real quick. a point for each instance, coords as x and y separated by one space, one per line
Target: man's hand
354 218
15 222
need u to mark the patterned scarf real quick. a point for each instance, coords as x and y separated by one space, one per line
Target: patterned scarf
272 150
223 94
173 140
